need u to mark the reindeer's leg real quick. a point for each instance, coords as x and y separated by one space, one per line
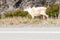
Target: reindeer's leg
46 16
43 17
32 17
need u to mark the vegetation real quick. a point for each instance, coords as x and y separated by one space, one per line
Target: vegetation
17 13
53 11
0 16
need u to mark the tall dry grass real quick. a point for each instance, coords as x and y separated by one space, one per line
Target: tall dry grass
24 20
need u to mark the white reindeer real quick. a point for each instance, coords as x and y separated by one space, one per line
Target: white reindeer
36 11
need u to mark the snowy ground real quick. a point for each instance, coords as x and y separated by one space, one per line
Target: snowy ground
29 32
30 27
30 36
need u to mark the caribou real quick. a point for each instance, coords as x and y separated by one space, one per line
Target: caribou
37 11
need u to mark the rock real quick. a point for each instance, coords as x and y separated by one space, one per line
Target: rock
22 4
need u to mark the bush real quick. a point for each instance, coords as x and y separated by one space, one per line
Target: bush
53 11
0 16
17 13
8 14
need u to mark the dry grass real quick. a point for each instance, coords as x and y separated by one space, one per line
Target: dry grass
53 21
19 20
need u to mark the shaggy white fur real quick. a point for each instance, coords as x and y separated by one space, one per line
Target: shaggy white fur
36 11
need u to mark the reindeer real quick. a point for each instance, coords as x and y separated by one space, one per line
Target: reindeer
37 11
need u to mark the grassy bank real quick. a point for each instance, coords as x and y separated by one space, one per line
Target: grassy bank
24 20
